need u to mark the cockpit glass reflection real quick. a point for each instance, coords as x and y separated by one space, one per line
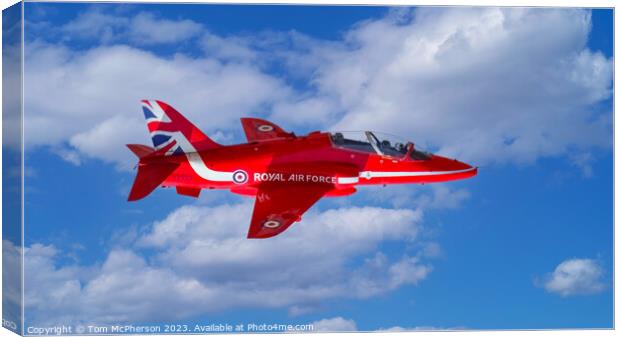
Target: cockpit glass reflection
377 142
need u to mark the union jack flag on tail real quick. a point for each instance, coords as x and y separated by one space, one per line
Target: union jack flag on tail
171 133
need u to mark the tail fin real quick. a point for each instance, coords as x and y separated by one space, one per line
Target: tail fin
171 132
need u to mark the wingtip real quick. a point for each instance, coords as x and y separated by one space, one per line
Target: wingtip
256 235
262 234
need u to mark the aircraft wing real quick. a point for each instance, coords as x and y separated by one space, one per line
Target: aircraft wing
278 206
260 130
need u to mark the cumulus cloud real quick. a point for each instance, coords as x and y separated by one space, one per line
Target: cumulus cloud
146 28
123 284
342 324
513 124
427 196
96 95
12 281
484 84
95 24
104 141
334 324
575 277
12 80
200 262
487 85
142 29
420 328
228 48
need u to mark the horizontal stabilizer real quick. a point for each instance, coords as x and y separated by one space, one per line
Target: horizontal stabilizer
149 177
140 151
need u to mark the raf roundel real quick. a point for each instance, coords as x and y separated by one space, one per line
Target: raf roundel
240 177
271 224
265 128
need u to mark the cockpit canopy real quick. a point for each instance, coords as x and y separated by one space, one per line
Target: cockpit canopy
377 142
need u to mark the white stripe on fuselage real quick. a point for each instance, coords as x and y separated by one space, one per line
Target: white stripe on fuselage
348 180
388 174
205 172
199 166
196 162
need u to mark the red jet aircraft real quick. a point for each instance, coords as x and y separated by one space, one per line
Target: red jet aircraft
286 173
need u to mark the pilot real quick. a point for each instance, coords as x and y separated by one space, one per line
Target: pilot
338 138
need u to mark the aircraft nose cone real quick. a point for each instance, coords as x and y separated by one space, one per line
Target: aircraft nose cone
448 164
459 165
458 168
464 170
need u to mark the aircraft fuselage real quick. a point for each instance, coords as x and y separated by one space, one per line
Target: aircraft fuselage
311 159
286 173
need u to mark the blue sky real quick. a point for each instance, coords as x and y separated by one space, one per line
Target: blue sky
11 165
484 251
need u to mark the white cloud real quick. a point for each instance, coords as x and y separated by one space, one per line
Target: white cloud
575 277
420 328
432 249
583 160
300 251
483 84
426 197
11 281
94 24
203 263
442 197
334 324
69 155
123 284
96 95
146 29
142 29
298 310
11 78
337 324
45 285
106 140
230 48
